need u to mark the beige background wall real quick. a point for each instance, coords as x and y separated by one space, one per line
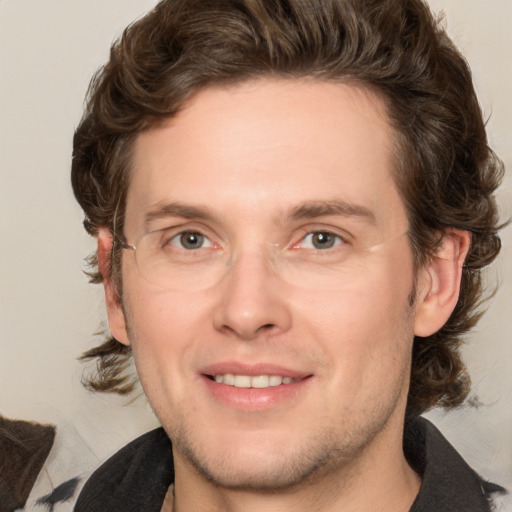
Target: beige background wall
48 312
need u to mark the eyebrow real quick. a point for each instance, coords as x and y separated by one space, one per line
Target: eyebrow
313 209
305 210
176 209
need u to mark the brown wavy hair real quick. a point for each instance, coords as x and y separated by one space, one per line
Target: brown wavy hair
445 170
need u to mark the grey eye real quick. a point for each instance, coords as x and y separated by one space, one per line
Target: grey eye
190 240
321 240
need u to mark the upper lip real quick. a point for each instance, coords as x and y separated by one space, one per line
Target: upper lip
252 370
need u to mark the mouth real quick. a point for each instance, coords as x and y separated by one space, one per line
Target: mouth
248 381
255 387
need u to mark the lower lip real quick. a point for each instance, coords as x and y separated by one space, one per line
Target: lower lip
255 399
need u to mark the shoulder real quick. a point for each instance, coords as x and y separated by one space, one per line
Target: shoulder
135 478
448 482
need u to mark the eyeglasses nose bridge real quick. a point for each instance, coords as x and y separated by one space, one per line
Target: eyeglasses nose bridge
268 251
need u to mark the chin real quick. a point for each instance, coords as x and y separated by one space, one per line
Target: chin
258 475
266 467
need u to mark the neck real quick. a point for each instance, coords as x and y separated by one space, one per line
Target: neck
378 479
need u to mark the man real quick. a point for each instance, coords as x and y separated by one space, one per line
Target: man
293 202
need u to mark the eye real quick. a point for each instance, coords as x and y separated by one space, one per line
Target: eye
190 240
321 240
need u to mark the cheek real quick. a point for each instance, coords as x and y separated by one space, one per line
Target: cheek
370 305
366 328
164 328
161 314
165 333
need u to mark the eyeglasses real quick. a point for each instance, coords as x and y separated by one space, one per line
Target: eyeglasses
190 259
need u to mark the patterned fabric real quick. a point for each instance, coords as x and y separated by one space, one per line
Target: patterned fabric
68 466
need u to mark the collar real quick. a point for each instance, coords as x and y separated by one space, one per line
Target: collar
448 483
138 476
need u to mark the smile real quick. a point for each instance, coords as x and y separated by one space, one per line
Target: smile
247 381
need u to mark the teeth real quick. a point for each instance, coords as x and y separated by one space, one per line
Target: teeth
229 379
275 380
246 381
242 381
262 381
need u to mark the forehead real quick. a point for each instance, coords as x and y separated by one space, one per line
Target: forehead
266 146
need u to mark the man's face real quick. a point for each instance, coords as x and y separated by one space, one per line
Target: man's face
269 282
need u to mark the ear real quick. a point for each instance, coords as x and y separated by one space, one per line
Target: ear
439 283
115 313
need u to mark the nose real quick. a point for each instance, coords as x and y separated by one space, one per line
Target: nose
253 300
